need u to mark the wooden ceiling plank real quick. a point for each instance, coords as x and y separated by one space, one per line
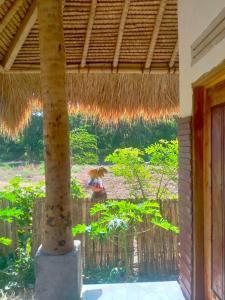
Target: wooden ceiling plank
10 13
120 33
88 32
20 36
174 56
155 34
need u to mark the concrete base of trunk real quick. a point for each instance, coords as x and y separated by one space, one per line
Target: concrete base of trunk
59 277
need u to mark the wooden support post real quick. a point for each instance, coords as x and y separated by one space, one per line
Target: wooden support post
57 237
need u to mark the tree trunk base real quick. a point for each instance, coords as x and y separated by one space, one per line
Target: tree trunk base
59 277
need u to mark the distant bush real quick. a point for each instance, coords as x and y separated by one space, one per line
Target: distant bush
83 147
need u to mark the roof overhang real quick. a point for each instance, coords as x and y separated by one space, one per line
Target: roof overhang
122 59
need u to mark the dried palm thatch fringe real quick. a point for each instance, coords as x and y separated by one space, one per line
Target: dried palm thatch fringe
110 97
17 102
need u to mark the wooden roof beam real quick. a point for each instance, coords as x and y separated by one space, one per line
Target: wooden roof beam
174 56
20 36
96 69
120 34
88 33
155 34
10 13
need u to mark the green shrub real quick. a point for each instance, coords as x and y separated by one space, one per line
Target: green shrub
21 198
129 163
83 147
17 271
163 162
77 191
156 178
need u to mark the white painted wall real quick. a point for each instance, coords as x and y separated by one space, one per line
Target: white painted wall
194 16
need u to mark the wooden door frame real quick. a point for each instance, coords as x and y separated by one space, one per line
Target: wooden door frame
198 203
202 180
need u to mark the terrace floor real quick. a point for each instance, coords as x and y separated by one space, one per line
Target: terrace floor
168 290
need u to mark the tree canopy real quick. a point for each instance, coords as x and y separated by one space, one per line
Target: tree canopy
140 134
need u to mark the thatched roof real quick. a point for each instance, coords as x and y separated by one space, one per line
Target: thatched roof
122 59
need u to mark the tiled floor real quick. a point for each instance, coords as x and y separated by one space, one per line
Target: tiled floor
169 290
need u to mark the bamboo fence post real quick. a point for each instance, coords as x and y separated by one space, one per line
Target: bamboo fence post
57 236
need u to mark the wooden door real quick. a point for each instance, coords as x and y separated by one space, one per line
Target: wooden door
214 192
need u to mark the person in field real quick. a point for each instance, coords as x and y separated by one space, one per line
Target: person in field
96 184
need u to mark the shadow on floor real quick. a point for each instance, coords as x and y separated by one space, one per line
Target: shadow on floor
92 294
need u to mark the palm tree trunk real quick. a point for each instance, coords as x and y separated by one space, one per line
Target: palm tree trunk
57 237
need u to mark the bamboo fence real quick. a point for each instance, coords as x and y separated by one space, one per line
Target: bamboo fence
152 254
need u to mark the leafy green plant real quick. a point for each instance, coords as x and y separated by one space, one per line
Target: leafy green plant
8 215
129 163
83 147
155 179
163 162
119 218
77 191
5 241
21 197
17 271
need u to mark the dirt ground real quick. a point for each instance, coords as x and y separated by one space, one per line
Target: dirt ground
115 187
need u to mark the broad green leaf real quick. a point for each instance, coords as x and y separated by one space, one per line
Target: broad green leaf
5 241
79 228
